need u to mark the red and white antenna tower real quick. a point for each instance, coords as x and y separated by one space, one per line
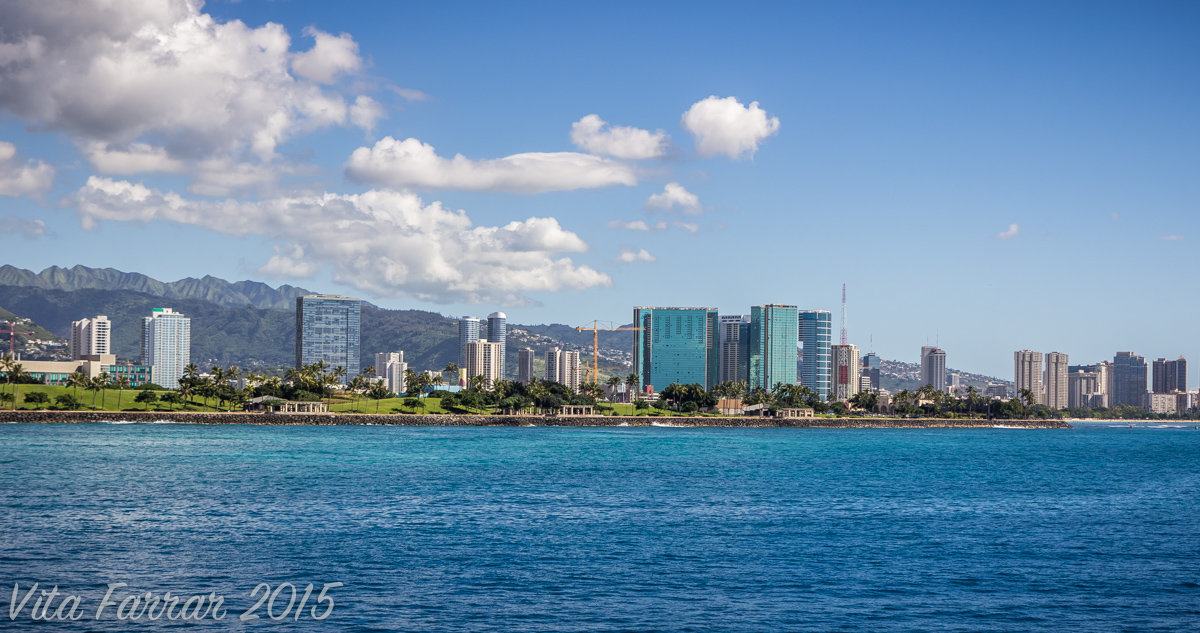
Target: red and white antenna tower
844 314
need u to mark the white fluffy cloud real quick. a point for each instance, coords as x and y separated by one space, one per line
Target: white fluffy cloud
411 163
329 57
673 196
366 112
629 255
1013 231
725 126
386 243
593 135
29 229
146 85
22 179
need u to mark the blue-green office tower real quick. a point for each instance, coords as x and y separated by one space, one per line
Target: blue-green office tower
816 335
773 336
676 345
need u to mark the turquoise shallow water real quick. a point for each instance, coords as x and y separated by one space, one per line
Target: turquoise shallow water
638 529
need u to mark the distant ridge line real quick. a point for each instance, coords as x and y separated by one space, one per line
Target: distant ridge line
207 288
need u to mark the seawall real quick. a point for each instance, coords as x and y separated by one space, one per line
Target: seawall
509 420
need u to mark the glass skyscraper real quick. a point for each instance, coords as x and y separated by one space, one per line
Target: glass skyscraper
468 332
773 335
327 329
816 335
166 345
676 345
497 332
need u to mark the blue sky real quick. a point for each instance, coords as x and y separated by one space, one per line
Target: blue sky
988 176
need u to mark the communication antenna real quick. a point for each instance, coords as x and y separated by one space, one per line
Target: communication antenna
843 314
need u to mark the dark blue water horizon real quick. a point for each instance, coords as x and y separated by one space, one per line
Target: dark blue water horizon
615 529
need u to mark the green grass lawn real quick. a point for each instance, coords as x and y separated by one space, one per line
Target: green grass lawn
107 401
104 401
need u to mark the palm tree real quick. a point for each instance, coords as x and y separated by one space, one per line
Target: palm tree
452 368
378 392
94 386
78 379
1027 400
357 384
103 379
613 383
631 381
121 383
410 382
6 365
232 375
15 372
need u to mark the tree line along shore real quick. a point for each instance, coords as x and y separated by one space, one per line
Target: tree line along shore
229 390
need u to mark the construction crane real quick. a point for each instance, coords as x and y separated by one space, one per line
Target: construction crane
12 338
594 370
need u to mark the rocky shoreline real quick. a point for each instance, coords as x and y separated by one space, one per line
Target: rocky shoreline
181 417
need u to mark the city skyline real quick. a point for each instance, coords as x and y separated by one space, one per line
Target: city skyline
347 160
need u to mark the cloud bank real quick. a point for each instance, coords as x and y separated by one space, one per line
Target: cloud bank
386 243
152 85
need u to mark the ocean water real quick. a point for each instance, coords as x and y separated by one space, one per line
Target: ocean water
614 529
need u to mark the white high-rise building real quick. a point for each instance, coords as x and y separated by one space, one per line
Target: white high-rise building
564 367
553 361
90 337
483 359
390 366
846 371
167 345
525 366
570 370
1057 382
1027 373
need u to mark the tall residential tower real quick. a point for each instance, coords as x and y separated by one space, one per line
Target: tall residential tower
1057 383
327 329
1027 373
166 345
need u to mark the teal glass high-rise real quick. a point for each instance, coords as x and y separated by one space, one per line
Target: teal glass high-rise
773 337
676 345
816 336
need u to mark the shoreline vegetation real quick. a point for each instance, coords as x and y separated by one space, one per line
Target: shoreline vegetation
366 419
365 400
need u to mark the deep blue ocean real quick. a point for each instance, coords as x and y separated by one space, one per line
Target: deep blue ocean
608 529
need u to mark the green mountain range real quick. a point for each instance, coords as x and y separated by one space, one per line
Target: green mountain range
207 288
250 324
